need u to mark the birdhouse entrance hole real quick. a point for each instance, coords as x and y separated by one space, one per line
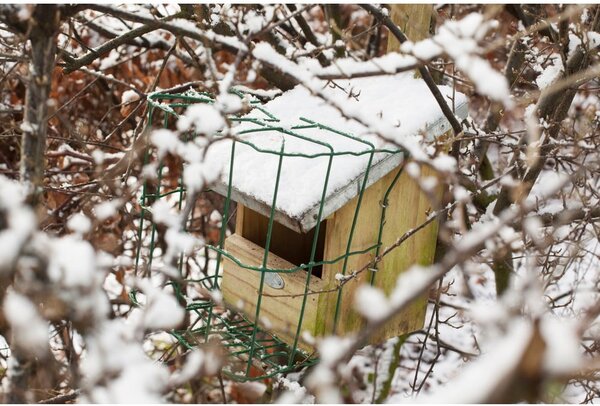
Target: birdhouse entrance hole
287 244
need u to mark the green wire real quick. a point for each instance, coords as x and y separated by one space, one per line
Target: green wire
243 338
311 263
223 230
265 258
384 206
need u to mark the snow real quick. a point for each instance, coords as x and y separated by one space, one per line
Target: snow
574 42
168 9
98 156
165 141
21 225
229 103
215 217
551 73
425 50
322 381
302 178
345 101
202 171
294 392
593 39
26 126
162 311
534 228
415 278
21 222
79 223
460 40
124 372
461 194
216 296
254 390
254 22
24 12
546 184
331 349
30 331
413 170
262 93
196 361
477 381
487 80
111 60
179 242
192 177
563 354
116 369
129 96
387 64
204 118
163 213
428 183
370 302
107 209
75 270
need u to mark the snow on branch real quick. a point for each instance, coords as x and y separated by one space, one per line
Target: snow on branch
461 41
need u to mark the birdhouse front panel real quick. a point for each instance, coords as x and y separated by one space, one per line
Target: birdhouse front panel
319 197
283 298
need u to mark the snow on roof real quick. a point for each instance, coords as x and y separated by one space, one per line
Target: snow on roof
399 99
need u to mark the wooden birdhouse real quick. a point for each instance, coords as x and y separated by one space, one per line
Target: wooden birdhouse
319 196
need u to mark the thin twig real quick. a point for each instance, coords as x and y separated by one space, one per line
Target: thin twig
61 398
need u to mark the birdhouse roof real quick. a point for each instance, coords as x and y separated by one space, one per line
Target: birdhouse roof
315 138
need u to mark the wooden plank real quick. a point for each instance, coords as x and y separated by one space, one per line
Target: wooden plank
243 284
407 207
239 218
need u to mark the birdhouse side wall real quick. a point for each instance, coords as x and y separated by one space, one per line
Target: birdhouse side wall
407 208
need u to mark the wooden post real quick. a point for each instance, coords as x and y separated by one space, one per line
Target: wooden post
413 20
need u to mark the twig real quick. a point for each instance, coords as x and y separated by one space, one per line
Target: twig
79 93
61 398
308 33
150 25
111 78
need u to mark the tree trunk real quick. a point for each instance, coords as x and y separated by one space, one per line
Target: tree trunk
30 377
42 36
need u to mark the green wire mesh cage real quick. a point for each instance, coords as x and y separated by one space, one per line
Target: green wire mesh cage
307 233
